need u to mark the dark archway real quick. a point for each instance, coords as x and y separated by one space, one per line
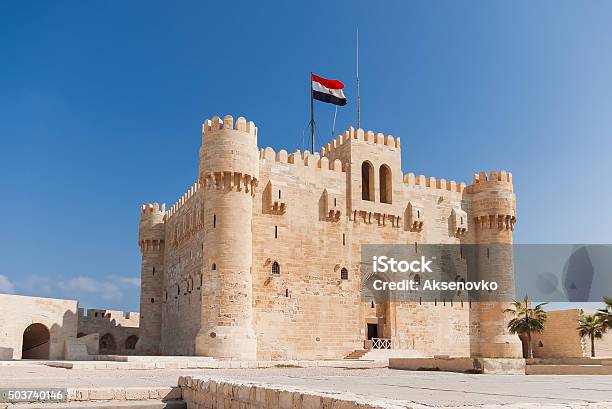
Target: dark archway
107 344
130 342
386 185
36 341
367 181
81 334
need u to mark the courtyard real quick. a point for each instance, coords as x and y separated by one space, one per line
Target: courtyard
409 388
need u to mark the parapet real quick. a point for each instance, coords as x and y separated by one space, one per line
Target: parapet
432 183
360 135
210 126
193 189
302 158
483 181
151 208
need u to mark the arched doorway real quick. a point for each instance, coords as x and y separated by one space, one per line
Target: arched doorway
130 342
35 344
107 344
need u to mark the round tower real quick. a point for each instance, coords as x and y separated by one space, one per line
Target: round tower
151 237
494 215
228 174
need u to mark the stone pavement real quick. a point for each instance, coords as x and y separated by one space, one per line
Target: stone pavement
437 389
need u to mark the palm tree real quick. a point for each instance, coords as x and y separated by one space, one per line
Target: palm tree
605 314
593 327
526 320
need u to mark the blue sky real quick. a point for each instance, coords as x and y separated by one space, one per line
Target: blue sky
101 106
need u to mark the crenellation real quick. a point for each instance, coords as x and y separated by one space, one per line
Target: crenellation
210 126
266 241
431 182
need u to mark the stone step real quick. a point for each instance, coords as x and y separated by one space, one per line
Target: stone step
356 354
132 404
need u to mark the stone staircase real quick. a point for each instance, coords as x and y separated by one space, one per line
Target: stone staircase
357 354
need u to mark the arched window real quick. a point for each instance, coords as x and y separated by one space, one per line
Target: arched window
417 279
275 268
386 187
130 342
344 274
214 266
367 181
541 344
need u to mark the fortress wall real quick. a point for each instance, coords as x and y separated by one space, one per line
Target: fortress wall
18 312
308 312
431 329
182 287
307 212
119 324
560 337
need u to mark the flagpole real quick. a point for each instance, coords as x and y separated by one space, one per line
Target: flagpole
311 114
358 93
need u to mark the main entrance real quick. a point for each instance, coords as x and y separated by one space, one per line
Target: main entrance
35 344
372 331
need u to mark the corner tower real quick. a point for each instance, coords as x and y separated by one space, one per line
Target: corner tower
494 216
228 174
151 240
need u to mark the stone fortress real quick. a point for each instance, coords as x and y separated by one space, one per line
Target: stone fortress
260 258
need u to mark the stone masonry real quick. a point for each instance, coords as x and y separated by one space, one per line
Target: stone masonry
260 258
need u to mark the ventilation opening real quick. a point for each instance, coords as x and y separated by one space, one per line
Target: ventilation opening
344 274
275 268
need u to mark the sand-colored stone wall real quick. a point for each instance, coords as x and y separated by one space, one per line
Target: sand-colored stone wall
19 312
270 234
122 328
560 338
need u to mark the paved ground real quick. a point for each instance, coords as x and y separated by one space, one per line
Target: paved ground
426 388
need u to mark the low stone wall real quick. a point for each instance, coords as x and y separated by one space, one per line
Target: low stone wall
466 365
219 393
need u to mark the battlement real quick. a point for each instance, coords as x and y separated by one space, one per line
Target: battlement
193 189
149 208
493 176
126 318
360 135
482 180
210 126
302 158
432 183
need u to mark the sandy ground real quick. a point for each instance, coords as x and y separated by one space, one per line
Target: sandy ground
426 388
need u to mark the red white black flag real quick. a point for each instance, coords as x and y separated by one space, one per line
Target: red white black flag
329 91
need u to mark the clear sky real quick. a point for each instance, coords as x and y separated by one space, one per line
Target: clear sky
101 105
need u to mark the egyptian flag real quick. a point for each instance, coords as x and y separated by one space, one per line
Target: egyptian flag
329 91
